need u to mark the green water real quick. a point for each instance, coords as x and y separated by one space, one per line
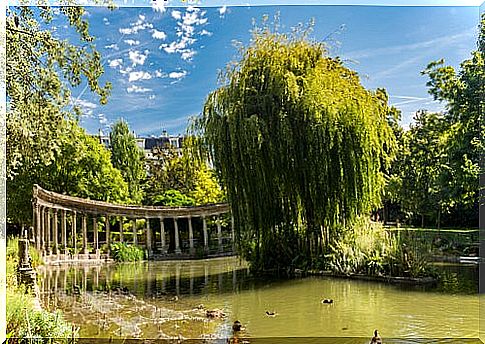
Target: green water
150 309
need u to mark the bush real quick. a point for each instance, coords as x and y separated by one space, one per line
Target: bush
368 248
24 322
123 252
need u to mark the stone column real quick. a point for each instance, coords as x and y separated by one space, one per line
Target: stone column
177 242
121 228
206 237
191 236
85 235
74 232
64 232
38 226
48 231
133 224
56 233
149 238
108 235
42 230
219 233
95 235
162 235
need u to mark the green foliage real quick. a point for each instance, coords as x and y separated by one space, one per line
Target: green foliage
41 70
173 198
123 252
25 322
128 158
462 128
367 248
298 143
81 167
185 173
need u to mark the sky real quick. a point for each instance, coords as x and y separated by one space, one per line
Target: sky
164 62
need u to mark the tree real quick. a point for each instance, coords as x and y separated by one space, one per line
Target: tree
423 165
191 177
81 167
297 142
464 94
128 158
41 69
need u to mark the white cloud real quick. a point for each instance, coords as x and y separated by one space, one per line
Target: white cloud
136 26
137 89
158 6
205 33
186 29
126 70
152 96
102 118
113 46
187 55
176 14
177 75
439 42
223 10
87 107
158 34
131 42
158 73
135 76
115 63
137 58
105 21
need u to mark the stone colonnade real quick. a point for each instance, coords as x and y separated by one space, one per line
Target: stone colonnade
62 227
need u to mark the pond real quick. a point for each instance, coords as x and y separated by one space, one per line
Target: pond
168 300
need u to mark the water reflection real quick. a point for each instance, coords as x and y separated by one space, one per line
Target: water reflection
168 300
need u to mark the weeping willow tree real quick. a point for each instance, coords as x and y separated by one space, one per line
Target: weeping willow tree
299 144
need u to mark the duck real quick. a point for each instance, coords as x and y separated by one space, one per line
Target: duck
376 339
270 314
237 326
328 301
215 313
175 298
76 289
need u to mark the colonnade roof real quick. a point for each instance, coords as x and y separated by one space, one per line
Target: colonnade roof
50 199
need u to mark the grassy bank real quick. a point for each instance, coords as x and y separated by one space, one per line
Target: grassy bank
368 248
24 320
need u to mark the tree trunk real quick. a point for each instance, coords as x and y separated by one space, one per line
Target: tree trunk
422 220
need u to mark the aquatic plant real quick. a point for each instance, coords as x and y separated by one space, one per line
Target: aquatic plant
123 252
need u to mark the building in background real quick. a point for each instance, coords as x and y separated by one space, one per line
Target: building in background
148 143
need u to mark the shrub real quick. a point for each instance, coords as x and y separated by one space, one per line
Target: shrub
123 252
366 247
24 322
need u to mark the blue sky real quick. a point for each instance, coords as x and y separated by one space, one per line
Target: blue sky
162 64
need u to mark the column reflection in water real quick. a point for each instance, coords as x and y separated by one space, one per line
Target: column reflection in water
164 271
206 274
191 275
177 278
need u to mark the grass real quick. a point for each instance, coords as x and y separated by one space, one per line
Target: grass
24 322
368 248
